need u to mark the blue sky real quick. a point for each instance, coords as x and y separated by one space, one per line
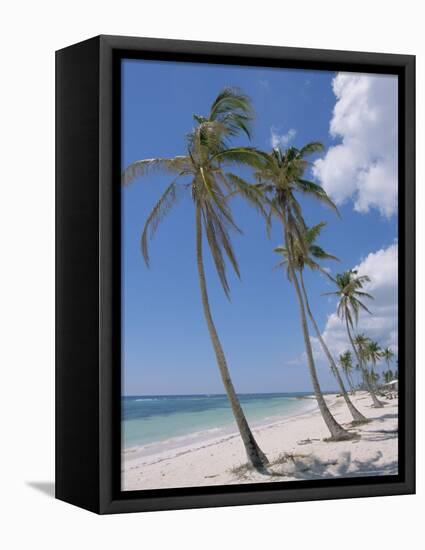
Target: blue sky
166 347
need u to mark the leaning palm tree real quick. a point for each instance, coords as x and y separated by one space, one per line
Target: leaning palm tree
349 285
280 179
309 256
388 356
201 172
346 362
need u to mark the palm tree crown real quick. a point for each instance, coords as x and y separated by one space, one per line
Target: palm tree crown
387 356
307 255
348 290
281 177
373 352
202 172
346 362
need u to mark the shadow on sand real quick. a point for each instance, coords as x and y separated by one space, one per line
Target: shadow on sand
300 466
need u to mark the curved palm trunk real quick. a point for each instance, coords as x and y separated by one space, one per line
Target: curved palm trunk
355 413
336 430
255 455
376 402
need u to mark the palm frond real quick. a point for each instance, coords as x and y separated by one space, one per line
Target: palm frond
216 253
251 193
234 109
157 214
246 156
214 193
314 231
318 252
310 148
140 168
222 236
365 294
313 189
364 307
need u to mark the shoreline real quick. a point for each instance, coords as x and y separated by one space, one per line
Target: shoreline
294 445
205 437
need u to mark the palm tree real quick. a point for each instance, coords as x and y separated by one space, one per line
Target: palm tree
388 356
349 285
373 354
373 378
362 343
201 173
388 376
346 362
309 255
280 178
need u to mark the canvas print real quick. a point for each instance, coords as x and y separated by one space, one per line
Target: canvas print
259 261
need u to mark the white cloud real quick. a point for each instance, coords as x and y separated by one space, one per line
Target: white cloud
382 268
281 140
363 167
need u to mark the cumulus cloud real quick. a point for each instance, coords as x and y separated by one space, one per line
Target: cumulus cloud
382 268
363 166
281 140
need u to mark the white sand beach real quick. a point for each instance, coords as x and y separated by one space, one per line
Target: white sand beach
296 448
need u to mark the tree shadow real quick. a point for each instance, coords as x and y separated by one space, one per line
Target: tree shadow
343 466
379 435
46 487
308 466
384 417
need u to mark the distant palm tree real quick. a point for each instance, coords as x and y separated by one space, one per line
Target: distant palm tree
388 376
362 344
346 362
309 255
349 285
373 378
373 354
280 178
202 174
388 356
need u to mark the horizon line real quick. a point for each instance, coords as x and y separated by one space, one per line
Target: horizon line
222 394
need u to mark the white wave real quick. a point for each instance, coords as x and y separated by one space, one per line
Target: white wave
148 399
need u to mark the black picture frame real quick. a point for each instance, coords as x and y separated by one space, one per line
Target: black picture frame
88 274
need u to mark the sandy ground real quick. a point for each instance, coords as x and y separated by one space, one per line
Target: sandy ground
295 447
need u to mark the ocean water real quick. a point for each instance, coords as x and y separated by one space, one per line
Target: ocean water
155 421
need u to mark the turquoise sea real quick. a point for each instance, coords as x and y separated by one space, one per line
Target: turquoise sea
173 420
